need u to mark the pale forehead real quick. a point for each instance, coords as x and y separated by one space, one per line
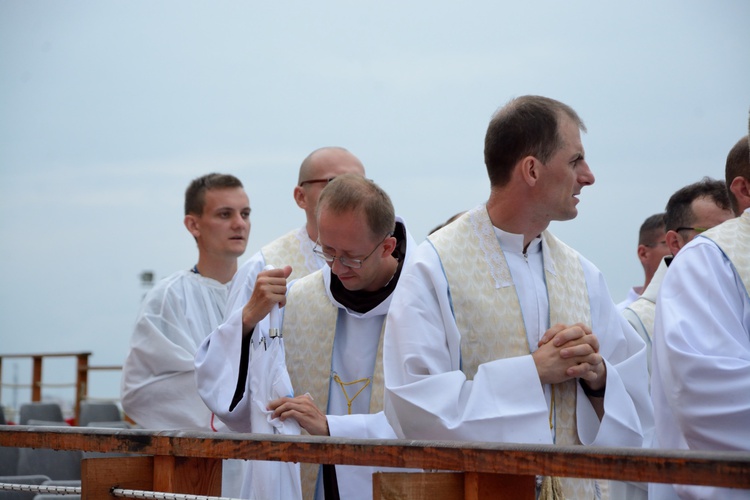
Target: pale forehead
570 133
343 229
234 197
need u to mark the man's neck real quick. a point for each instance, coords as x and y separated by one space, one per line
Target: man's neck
509 216
217 269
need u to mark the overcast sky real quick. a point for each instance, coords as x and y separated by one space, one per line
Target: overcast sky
109 109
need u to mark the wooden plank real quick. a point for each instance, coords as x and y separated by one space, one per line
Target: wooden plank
498 487
100 475
197 476
36 379
418 486
45 354
82 385
726 469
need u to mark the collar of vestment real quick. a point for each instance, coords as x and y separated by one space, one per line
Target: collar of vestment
362 301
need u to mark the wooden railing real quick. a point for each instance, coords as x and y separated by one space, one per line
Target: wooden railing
82 370
173 458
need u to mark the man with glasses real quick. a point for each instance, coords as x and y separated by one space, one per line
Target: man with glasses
690 211
500 332
652 247
332 329
700 382
295 247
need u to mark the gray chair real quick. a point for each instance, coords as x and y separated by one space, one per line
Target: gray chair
50 412
98 412
21 495
62 464
55 464
8 460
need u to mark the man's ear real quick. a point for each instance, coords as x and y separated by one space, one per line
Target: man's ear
642 252
389 245
191 223
674 241
740 188
530 170
299 197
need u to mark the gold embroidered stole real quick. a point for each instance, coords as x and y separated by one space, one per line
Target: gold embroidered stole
488 313
733 238
290 250
308 330
646 312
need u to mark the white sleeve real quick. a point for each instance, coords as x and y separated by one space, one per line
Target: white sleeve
702 349
361 426
158 384
701 359
222 372
427 395
628 413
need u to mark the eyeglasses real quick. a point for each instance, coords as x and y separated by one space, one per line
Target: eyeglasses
698 230
346 261
315 181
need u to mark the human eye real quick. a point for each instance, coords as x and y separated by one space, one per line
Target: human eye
245 214
323 254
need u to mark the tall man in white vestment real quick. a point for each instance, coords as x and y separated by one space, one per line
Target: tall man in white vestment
700 383
690 211
500 332
158 377
295 247
332 329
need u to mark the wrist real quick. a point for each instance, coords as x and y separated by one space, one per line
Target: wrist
592 393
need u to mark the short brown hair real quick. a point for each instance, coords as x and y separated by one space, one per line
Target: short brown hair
679 211
651 230
195 194
526 126
351 192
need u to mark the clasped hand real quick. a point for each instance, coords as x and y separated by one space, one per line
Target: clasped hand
566 352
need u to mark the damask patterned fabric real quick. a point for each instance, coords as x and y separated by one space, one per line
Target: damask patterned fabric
484 297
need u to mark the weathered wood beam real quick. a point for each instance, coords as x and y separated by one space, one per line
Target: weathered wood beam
727 469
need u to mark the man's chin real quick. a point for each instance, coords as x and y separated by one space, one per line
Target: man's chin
350 284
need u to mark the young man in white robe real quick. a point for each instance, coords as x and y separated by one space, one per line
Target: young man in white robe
158 381
700 382
332 330
499 332
690 210
295 247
